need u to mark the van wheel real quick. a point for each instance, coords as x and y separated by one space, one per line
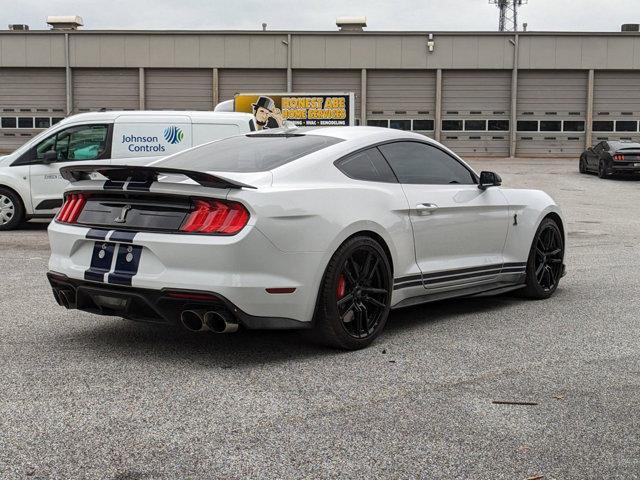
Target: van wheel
11 210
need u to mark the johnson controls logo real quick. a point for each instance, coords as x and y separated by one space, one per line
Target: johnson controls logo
173 134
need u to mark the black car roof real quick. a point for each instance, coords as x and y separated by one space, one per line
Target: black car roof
623 145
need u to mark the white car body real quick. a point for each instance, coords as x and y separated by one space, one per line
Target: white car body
468 241
134 138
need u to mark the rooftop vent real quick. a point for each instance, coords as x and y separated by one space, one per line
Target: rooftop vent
18 26
65 22
631 27
351 24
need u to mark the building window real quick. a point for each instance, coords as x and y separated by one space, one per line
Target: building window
43 122
423 125
626 126
475 125
55 120
550 126
9 122
498 125
573 126
452 125
25 122
378 123
602 126
527 126
400 124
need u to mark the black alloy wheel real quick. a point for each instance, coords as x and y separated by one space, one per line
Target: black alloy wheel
582 166
362 292
602 169
355 295
545 265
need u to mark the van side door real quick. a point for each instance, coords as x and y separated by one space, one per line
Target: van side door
73 145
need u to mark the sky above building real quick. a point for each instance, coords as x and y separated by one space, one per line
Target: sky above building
423 15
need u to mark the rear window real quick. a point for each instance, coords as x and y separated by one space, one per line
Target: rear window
249 153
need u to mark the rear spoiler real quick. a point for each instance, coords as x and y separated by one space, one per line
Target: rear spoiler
148 175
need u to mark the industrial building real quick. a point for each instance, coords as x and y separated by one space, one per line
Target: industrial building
522 94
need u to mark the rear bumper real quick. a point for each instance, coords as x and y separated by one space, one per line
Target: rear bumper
242 269
153 306
625 168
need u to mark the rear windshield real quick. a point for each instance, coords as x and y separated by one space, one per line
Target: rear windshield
249 153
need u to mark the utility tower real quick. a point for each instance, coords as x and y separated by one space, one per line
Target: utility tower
508 14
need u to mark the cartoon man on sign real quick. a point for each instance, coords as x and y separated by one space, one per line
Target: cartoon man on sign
267 114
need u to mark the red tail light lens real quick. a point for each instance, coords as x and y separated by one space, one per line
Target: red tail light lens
216 217
618 157
73 205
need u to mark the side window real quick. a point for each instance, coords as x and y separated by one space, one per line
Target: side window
415 162
367 165
86 142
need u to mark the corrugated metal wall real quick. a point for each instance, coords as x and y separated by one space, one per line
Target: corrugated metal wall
329 81
109 88
179 89
616 101
232 81
472 96
29 93
551 97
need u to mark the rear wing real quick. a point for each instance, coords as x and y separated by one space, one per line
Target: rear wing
145 175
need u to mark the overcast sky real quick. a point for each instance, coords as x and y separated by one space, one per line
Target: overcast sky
424 15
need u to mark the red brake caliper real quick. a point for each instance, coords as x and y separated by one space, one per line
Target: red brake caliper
342 287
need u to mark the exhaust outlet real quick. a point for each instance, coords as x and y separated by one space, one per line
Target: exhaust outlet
66 299
221 321
193 320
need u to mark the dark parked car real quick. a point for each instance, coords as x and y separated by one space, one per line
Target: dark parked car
607 158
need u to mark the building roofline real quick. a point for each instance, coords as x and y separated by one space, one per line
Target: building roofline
315 32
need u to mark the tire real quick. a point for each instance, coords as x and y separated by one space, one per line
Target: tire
582 165
11 210
545 262
355 295
602 169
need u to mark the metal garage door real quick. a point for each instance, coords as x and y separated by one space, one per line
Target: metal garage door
29 98
616 107
402 99
109 88
234 81
179 89
475 111
551 113
312 81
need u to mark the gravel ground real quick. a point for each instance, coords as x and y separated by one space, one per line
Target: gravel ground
93 397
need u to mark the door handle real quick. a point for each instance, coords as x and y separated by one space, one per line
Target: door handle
426 208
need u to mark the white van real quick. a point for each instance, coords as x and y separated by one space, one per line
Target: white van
30 181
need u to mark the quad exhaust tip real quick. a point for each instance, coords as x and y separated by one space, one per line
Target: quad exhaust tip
218 321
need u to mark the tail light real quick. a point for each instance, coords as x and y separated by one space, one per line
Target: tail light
618 157
73 205
216 217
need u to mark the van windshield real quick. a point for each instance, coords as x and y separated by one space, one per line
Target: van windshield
248 153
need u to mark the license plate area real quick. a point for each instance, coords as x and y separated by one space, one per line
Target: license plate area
113 263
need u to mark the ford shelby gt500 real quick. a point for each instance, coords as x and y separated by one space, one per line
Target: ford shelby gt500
325 229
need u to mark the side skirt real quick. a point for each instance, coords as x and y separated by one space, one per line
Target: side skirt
485 290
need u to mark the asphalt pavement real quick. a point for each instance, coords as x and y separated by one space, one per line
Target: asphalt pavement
90 397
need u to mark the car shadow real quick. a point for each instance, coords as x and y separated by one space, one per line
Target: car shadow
249 348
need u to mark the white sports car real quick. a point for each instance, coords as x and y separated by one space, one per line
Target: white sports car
326 229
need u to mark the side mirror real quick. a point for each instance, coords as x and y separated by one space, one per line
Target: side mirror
489 179
50 156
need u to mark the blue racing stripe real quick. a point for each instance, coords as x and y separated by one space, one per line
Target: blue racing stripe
122 236
101 259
